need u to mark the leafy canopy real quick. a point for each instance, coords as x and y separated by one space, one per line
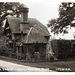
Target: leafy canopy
65 20
9 8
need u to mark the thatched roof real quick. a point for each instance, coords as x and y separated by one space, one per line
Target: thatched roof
14 24
34 36
39 26
36 31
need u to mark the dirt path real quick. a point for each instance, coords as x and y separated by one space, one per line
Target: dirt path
12 67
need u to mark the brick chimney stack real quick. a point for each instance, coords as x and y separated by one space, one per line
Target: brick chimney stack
24 14
24 25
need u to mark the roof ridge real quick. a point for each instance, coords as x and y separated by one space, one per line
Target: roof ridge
28 34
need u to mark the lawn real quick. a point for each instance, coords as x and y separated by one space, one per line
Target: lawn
60 66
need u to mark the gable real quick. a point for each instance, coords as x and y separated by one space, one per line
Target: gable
14 25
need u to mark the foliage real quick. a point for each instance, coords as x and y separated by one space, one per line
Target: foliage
65 20
9 8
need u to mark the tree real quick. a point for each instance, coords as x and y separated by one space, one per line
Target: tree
65 20
9 8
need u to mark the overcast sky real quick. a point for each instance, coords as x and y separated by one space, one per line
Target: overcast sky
44 10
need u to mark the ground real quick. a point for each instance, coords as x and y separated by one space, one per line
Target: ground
13 67
67 65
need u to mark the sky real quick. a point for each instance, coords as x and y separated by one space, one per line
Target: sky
44 10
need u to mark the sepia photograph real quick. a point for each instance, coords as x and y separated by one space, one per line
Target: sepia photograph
37 36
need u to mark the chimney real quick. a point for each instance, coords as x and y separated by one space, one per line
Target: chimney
24 14
24 25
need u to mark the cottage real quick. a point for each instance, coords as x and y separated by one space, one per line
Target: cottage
26 37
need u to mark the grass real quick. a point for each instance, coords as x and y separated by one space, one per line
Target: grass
60 66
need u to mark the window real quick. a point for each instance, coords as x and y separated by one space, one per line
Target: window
36 48
10 45
17 37
22 50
